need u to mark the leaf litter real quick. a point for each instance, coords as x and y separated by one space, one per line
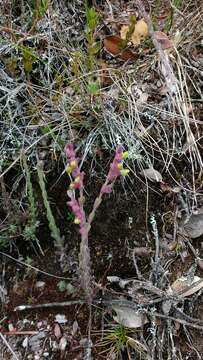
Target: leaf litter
152 174
129 317
193 227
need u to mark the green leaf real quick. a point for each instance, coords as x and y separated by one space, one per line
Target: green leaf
93 87
61 285
95 48
70 289
92 17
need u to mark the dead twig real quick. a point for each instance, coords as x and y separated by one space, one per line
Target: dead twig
9 333
180 321
48 305
34 268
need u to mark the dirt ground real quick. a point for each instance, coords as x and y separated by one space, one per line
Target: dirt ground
119 228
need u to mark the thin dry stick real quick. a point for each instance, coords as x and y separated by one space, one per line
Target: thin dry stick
34 268
183 322
10 333
48 305
8 346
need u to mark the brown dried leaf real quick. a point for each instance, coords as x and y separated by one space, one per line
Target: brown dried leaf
166 188
57 331
152 174
194 226
129 317
75 328
142 251
139 33
185 286
113 44
137 346
163 39
62 344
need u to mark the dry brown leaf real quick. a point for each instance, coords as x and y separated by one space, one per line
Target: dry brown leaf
137 346
185 286
142 251
163 39
152 174
165 188
194 226
57 331
62 344
113 44
75 328
139 33
129 317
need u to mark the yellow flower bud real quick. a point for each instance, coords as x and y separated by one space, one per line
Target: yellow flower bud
125 155
77 221
125 172
77 179
69 170
73 164
71 186
120 166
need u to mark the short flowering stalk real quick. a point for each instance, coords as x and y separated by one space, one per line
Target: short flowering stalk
77 183
76 205
116 170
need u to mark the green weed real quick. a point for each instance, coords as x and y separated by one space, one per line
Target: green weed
118 339
66 286
115 340
169 21
29 231
86 61
55 232
93 47
39 8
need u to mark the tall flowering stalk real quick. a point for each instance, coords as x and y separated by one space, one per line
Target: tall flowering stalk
76 205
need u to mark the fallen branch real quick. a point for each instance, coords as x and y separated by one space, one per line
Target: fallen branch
48 305
9 333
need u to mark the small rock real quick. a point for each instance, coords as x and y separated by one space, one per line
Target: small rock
39 324
62 343
46 354
11 327
61 319
54 346
35 341
25 342
40 284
